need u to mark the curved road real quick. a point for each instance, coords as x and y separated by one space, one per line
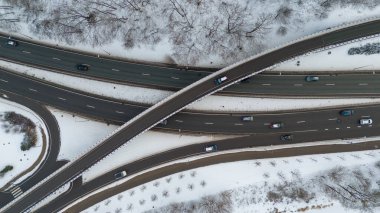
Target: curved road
206 86
49 164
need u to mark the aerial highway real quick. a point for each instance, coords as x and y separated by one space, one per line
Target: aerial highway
181 99
117 112
175 78
48 164
82 189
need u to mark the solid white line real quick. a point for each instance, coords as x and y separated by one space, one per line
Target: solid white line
298 85
179 121
209 123
89 106
32 90
26 52
116 70
363 84
145 74
57 59
62 99
4 80
330 84
119 112
298 122
266 84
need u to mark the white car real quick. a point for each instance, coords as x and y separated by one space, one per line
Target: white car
365 121
120 174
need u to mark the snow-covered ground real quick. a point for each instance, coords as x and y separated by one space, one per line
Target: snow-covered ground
286 184
334 59
10 143
284 21
209 103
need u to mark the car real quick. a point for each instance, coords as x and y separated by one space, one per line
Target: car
311 78
83 67
12 43
120 174
346 112
220 80
247 118
286 137
365 121
246 80
211 148
276 125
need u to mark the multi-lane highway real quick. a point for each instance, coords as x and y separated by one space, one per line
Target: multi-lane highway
119 112
176 78
49 163
206 86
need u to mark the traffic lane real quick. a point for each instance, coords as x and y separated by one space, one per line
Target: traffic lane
111 69
192 150
176 103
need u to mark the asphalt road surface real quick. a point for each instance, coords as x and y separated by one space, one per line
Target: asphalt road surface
49 164
119 112
177 78
193 92
79 189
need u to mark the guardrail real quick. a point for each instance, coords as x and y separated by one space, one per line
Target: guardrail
168 99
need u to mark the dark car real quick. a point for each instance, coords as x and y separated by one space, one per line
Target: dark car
276 125
286 137
311 78
83 67
120 174
245 80
346 112
12 43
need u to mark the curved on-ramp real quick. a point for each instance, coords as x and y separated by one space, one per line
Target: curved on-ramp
184 97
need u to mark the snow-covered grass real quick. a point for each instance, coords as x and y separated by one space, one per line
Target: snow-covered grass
334 59
10 143
247 185
157 29
210 103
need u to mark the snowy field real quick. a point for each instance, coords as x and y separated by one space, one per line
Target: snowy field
10 142
334 59
266 185
178 31
209 103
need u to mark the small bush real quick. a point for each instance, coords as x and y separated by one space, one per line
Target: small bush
5 170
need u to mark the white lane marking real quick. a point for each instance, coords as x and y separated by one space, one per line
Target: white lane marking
359 126
337 128
146 74
266 84
298 85
348 127
116 70
89 106
26 52
330 84
369 125
63 99
310 130
175 78
179 121
299 122
209 123
266 124
5 96
326 129
332 119
57 59
119 112
363 84
238 124
4 80
32 90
